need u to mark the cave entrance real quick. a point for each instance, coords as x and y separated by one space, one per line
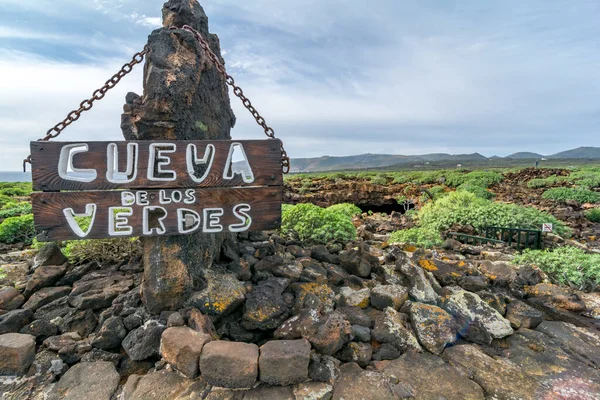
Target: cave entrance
387 208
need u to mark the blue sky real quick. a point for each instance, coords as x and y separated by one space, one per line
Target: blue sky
333 77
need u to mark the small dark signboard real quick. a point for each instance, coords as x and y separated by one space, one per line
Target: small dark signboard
153 188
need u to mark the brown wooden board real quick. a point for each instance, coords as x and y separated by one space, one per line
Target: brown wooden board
263 156
263 205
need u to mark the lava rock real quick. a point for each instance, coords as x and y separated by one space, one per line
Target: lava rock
313 391
56 343
201 323
356 316
181 347
77 272
359 353
43 277
500 273
284 362
354 298
433 327
81 321
41 329
175 319
429 377
13 321
551 298
359 261
265 307
10 299
57 308
323 368
229 364
356 384
144 342
419 286
361 333
307 292
521 315
320 253
111 334
475 320
46 296
99 291
499 379
17 352
222 295
331 334
50 254
383 296
265 392
386 351
157 385
95 380
101 355
298 326
390 329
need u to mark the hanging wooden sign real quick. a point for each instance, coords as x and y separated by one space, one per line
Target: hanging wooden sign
153 188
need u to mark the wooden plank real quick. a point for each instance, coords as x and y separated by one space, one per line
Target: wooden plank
263 206
263 156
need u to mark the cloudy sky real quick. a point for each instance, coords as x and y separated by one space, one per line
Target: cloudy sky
333 77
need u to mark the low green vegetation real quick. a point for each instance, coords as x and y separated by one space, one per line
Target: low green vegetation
593 215
17 229
379 180
15 209
580 195
552 180
566 265
465 208
315 224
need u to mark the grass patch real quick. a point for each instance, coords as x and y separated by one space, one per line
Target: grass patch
312 223
566 265
577 194
593 215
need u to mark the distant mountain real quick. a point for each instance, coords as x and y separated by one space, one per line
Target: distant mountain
524 155
580 152
365 161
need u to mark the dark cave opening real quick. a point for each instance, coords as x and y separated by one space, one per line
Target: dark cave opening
387 208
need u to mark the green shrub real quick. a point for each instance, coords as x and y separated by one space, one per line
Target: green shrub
476 178
476 190
379 180
5 200
577 194
17 229
312 223
349 210
593 215
15 191
419 236
15 209
400 179
567 265
538 183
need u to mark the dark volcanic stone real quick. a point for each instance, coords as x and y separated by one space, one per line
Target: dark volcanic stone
13 321
50 254
41 329
284 362
58 308
111 334
323 368
44 277
144 342
46 296
265 307
81 321
77 272
320 253
358 261
229 364
10 299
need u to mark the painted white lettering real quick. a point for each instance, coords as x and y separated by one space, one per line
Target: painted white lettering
158 159
176 196
187 220
193 160
67 171
113 174
142 198
190 196
72 219
241 212
127 198
154 219
237 163
163 198
212 217
118 219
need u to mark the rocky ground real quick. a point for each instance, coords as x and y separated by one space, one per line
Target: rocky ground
279 320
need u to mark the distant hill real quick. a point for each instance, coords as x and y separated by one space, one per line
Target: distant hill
524 155
367 161
580 152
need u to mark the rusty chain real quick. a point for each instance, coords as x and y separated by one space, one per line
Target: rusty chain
87 104
285 160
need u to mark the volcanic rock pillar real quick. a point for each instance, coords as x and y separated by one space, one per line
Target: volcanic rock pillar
184 98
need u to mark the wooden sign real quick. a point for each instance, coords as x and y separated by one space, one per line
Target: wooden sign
153 188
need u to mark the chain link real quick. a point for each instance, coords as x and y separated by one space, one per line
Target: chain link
87 105
285 160
99 94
